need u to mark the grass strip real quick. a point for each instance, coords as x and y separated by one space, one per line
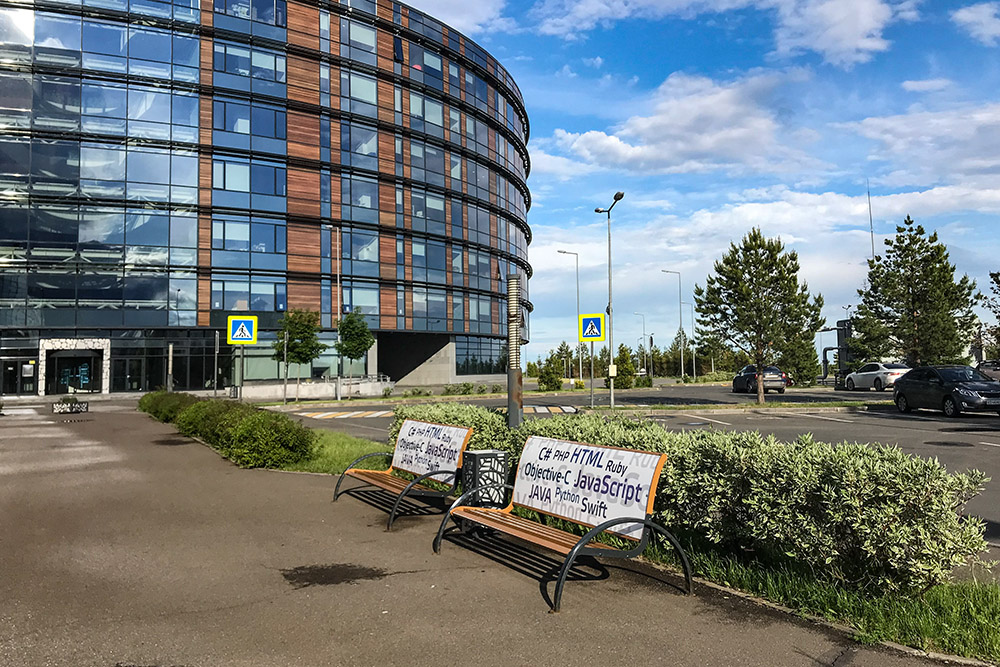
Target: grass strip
335 451
745 406
958 618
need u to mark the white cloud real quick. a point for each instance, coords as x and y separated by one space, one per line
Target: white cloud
926 147
926 85
696 125
471 18
567 72
554 165
981 21
844 32
594 62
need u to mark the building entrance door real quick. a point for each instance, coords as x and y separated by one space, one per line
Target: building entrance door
72 371
18 376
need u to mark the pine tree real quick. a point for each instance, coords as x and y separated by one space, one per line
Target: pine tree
755 302
912 307
624 367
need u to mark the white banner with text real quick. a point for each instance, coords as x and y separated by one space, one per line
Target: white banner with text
423 447
586 483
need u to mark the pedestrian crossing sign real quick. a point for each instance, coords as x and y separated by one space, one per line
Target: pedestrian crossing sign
592 327
242 330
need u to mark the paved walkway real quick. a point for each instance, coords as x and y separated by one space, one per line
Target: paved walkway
362 414
123 543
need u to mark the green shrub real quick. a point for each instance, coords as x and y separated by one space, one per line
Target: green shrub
497 389
550 375
449 390
266 439
212 420
386 392
165 406
579 384
489 427
69 400
643 381
466 388
481 389
417 391
866 517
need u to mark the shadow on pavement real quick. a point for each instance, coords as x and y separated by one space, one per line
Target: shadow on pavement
383 500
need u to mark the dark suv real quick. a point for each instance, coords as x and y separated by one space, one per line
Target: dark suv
951 389
990 367
746 380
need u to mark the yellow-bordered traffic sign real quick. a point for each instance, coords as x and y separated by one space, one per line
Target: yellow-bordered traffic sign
241 330
591 327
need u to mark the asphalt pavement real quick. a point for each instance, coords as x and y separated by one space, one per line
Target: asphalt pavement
123 543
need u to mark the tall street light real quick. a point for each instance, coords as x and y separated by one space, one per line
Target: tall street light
680 313
612 371
643 316
694 371
577 257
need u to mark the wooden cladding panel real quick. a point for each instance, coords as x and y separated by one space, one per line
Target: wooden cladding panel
386 103
303 25
334 139
303 80
386 153
304 294
408 269
387 307
386 197
205 120
207 56
303 136
384 9
303 194
335 196
303 247
383 49
205 180
495 312
387 257
207 7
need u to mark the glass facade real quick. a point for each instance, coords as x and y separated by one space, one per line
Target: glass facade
166 164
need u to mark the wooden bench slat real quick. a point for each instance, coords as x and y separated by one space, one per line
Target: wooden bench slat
550 538
385 480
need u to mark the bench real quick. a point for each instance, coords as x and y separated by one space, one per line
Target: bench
425 450
600 488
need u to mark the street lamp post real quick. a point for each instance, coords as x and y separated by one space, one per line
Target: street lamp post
680 313
644 362
694 370
577 257
612 371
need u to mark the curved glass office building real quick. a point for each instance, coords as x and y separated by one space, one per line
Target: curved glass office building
164 165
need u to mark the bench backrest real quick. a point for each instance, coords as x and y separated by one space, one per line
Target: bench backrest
423 447
587 484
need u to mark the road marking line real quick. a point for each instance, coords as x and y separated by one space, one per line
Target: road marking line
568 408
378 414
554 409
829 419
991 444
345 415
708 419
324 415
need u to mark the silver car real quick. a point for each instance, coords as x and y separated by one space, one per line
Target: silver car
875 376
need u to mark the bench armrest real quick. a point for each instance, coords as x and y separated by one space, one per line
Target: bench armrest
336 491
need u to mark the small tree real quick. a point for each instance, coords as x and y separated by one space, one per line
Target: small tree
303 341
532 370
355 337
550 375
912 307
625 368
755 302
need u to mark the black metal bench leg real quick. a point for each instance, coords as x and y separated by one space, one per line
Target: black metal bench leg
561 581
336 491
685 563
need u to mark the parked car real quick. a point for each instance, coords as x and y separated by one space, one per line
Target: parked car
951 389
990 367
746 380
875 376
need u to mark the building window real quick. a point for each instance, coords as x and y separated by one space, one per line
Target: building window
359 144
357 42
360 93
272 12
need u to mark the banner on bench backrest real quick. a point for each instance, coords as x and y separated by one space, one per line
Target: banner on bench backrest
587 484
423 447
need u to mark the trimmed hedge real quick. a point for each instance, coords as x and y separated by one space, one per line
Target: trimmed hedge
248 436
868 517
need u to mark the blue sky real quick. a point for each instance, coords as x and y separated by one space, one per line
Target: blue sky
714 116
